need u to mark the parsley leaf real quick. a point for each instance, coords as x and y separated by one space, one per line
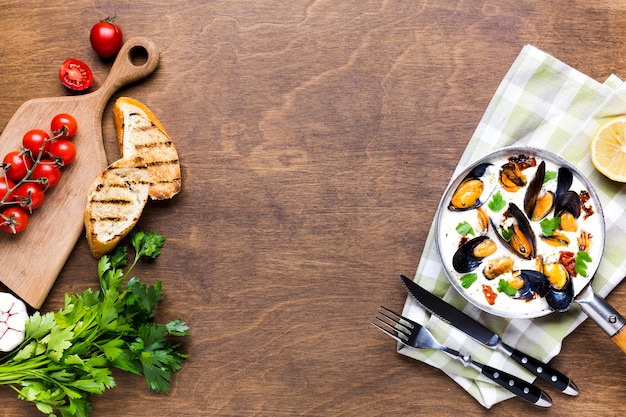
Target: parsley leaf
549 175
468 279
464 228
548 226
505 287
582 258
507 234
496 203
69 354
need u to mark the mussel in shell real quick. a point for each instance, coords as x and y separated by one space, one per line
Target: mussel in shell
568 202
471 254
561 293
538 205
558 290
511 177
468 192
557 274
535 284
556 239
520 238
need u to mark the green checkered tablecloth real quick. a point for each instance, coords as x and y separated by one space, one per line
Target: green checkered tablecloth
543 103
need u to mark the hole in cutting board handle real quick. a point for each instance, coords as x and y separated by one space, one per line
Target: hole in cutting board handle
138 55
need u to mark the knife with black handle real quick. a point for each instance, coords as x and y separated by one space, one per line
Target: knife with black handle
482 334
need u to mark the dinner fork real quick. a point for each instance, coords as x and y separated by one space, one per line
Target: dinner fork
413 335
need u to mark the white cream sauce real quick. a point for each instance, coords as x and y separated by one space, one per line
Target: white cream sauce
449 240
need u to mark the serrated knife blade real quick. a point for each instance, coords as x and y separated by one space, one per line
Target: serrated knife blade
482 334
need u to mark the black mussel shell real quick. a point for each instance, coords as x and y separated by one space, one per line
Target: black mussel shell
525 228
568 201
564 180
478 171
534 189
464 260
474 201
535 283
561 299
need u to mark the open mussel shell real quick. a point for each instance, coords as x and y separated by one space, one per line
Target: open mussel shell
471 254
523 241
569 178
468 193
538 203
535 284
568 202
560 299
538 284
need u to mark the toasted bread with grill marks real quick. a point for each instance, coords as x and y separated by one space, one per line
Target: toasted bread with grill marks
115 202
140 133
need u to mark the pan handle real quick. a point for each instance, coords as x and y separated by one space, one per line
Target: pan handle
600 311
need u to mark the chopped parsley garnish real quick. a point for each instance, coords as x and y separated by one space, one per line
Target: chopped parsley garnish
582 258
468 279
550 175
496 203
507 234
464 228
548 226
505 287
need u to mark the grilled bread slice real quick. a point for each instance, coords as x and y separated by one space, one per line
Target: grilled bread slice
115 202
140 133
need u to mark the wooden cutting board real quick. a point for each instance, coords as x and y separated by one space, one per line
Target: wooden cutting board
32 260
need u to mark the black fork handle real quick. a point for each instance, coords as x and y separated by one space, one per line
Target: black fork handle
517 386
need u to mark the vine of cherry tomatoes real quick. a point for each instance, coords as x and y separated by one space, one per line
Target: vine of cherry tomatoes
36 167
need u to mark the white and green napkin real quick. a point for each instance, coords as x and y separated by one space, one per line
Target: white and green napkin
543 103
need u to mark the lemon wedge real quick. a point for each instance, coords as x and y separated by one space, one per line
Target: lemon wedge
608 149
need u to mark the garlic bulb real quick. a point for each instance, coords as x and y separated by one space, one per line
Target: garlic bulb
13 317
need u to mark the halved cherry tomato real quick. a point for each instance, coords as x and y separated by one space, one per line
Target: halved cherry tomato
64 150
64 125
29 195
75 75
14 220
5 186
35 140
17 163
106 38
47 173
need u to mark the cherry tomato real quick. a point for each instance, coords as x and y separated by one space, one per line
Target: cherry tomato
5 186
47 173
75 75
29 195
18 164
64 125
64 150
106 38
35 140
14 220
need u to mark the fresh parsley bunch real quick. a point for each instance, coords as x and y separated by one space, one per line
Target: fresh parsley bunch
69 354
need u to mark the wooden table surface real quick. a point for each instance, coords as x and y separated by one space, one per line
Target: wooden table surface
316 138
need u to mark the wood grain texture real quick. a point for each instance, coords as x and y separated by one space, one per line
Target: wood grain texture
316 138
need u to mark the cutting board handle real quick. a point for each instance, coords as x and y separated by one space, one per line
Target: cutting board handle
137 59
